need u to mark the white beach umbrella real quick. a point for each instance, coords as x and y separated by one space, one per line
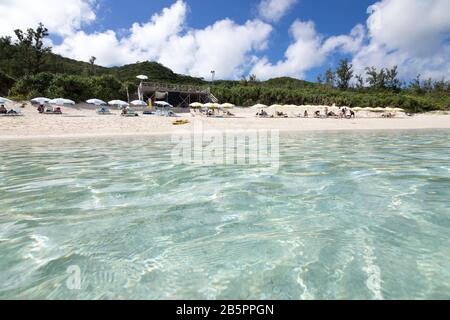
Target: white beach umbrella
196 105
61 101
119 103
211 105
227 105
142 77
357 109
163 104
138 103
260 106
5 101
96 102
40 100
398 109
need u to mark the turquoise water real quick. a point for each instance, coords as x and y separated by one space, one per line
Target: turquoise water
347 216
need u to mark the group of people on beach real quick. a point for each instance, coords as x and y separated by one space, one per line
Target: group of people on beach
343 113
4 111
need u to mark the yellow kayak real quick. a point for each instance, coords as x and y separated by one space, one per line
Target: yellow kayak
180 122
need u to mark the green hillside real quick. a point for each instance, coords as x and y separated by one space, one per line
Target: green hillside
57 64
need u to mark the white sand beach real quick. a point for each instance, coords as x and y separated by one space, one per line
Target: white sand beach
79 122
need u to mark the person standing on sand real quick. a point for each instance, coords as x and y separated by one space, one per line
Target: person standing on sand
306 115
3 109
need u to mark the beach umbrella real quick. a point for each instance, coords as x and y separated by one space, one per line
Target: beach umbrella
96 102
227 105
196 105
142 77
378 109
163 104
357 109
61 101
40 100
119 103
5 101
260 106
398 109
211 105
138 103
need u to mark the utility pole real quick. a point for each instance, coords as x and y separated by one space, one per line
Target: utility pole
213 73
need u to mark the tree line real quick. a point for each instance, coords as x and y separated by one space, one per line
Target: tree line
385 79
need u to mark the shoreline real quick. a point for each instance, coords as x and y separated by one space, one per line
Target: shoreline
82 137
80 124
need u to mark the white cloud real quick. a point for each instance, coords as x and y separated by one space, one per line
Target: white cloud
274 10
225 46
62 17
307 51
412 34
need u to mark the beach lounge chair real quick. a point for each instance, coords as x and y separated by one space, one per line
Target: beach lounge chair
12 113
52 111
103 111
148 112
129 113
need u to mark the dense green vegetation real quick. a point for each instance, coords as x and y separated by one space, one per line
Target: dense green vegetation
29 69
6 82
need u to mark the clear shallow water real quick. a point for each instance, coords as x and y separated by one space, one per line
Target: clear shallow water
347 216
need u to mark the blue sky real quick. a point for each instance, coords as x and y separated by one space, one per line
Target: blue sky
331 18
269 38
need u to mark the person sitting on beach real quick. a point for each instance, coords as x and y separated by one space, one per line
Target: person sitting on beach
306 115
41 108
317 114
331 114
124 111
3 109
262 113
12 111
352 114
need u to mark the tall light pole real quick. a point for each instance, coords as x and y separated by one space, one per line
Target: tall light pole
213 73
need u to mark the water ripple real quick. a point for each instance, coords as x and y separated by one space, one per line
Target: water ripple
347 216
